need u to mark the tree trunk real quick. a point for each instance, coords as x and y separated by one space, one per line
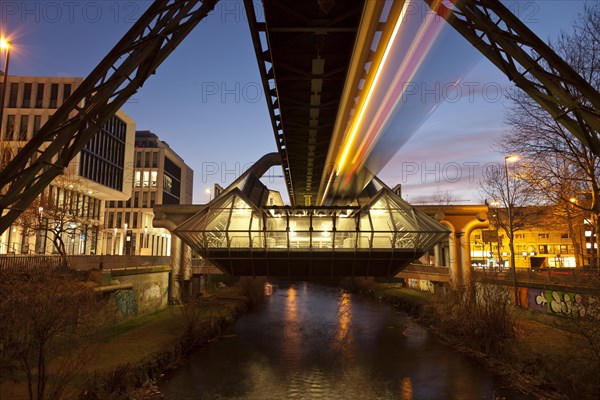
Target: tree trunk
41 384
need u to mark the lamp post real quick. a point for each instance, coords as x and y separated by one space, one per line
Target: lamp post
511 233
5 45
579 227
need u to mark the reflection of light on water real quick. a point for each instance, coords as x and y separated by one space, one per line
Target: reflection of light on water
406 387
268 289
291 306
344 322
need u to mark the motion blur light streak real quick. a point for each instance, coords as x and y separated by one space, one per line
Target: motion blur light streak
396 97
419 49
354 126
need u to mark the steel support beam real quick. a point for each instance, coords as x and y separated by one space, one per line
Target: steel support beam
265 67
528 62
118 76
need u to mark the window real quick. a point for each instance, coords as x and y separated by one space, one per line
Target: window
543 249
119 219
155 159
167 184
66 91
26 103
138 179
53 95
564 248
519 236
543 236
145 199
10 127
23 128
146 178
147 160
135 220
138 159
111 219
565 236
14 95
39 97
136 199
37 123
153 178
127 219
152 199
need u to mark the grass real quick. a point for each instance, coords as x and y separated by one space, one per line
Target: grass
118 349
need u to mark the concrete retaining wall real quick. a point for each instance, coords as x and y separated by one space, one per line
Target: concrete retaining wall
135 293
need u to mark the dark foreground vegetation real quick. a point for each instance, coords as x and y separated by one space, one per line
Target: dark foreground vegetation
544 356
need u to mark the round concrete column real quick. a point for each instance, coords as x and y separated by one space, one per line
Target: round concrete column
177 271
480 222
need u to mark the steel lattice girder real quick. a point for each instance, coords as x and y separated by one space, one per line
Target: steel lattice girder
265 68
530 63
118 76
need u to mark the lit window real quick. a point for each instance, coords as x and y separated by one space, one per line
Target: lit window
167 184
138 180
154 178
146 178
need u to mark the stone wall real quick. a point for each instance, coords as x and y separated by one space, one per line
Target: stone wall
132 294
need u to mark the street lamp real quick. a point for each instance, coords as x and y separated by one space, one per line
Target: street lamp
5 45
511 235
574 203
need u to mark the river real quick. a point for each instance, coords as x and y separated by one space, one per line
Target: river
312 341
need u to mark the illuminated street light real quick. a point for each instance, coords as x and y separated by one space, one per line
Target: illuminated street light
4 45
511 242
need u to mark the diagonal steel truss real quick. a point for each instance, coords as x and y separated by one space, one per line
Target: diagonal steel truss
530 63
118 76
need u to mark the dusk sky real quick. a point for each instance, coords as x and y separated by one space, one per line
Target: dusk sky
206 100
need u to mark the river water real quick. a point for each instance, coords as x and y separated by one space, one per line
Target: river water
310 341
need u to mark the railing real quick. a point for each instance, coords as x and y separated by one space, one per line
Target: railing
15 261
550 276
82 262
316 239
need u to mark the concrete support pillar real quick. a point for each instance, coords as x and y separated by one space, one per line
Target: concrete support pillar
186 261
177 270
465 248
454 250
481 222
438 254
455 260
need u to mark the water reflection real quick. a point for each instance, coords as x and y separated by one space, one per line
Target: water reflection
316 342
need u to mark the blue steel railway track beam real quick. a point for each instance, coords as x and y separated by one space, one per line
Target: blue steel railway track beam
530 63
118 76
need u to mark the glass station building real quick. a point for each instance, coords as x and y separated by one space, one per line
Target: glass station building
243 233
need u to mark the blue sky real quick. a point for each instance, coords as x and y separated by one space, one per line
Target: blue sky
205 100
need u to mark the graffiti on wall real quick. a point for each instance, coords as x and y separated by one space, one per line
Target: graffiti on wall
422 285
126 302
557 302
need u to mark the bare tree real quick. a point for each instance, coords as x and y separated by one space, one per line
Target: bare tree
61 213
44 316
559 165
520 197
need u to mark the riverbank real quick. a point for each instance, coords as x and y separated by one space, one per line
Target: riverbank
543 360
129 356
